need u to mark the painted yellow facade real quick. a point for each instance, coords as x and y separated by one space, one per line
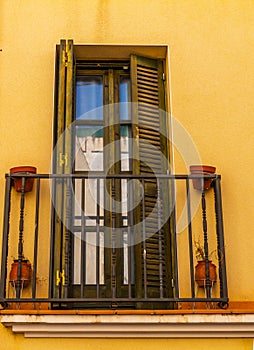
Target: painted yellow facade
212 85
19 342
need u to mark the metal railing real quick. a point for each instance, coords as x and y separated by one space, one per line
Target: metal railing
97 241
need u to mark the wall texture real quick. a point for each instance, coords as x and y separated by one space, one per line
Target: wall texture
212 64
18 342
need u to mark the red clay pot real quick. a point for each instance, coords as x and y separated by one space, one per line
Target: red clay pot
26 273
18 181
200 274
199 184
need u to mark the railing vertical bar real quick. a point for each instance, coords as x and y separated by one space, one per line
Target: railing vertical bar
67 267
36 233
83 238
160 239
19 286
130 231
175 243
5 241
113 240
98 262
144 241
60 248
52 230
190 237
220 240
207 285
129 260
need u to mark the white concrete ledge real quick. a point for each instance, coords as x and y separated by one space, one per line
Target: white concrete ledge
132 326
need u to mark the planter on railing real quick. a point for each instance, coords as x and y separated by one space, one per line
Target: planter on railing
200 274
25 273
18 181
202 183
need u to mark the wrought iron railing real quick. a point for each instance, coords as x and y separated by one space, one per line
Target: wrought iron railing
112 241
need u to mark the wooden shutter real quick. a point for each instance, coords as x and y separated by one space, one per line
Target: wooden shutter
61 248
149 153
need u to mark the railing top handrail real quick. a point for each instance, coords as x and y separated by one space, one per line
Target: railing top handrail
95 175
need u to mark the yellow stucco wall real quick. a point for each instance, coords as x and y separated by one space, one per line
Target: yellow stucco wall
212 82
18 342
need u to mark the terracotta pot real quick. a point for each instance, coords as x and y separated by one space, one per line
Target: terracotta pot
26 273
18 181
200 274
199 184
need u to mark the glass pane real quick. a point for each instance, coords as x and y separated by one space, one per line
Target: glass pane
92 259
125 134
89 202
125 258
128 255
124 198
89 148
125 97
89 97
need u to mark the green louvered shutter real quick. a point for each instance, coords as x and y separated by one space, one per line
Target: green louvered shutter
61 247
150 157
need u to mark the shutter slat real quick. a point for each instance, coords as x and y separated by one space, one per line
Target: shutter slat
146 68
148 101
147 86
143 72
148 92
146 119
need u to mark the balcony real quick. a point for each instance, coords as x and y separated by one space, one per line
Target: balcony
89 250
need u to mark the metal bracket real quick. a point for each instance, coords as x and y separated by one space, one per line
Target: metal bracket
66 59
63 159
60 278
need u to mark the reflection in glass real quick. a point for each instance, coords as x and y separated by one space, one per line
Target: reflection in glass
89 97
128 256
88 195
125 133
125 97
91 258
89 219
89 148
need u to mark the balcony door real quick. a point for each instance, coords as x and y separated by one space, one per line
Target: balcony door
114 240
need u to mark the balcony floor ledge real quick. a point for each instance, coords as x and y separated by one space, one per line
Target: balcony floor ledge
152 324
